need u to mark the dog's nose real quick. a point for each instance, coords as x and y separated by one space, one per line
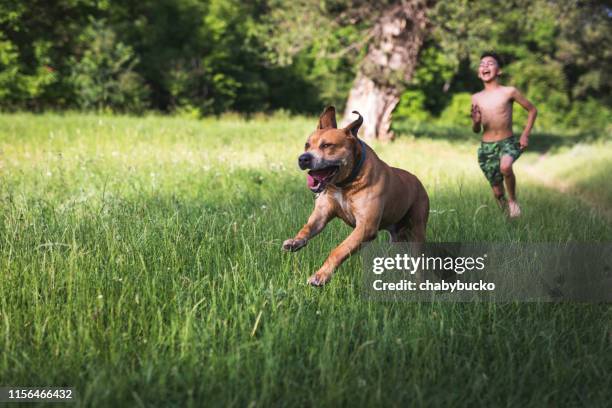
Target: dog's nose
305 161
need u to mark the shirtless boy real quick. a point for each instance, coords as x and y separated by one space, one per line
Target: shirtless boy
492 110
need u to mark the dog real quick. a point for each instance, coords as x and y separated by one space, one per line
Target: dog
353 184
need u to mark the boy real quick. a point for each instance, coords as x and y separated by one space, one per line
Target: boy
492 109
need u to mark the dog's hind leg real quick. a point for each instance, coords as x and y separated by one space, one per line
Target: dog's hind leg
412 227
399 232
417 219
395 233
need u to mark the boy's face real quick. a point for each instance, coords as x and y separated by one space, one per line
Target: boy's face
488 70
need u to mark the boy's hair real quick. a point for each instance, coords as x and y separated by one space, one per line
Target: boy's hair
493 55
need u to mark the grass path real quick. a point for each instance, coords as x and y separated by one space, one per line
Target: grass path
589 198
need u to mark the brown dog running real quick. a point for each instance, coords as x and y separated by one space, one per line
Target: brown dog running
352 183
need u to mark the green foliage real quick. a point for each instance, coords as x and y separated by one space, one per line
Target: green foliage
457 112
555 54
426 94
544 83
590 115
17 86
433 76
45 36
104 76
229 75
193 57
412 107
322 50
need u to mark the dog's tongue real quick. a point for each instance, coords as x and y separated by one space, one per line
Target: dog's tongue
314 176
310 181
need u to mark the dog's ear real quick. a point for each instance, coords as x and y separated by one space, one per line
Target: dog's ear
327 119
353 127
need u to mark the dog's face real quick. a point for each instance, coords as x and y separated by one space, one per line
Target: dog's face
329 152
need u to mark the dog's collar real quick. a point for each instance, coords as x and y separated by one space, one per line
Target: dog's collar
356 169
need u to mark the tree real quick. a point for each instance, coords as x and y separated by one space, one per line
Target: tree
390 32
211 56
38 38
556 52
104 75
397 37
17 85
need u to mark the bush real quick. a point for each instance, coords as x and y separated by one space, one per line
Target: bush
411 107
104 77
457 113
17 87
590 115
544 84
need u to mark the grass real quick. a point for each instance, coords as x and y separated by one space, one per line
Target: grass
140 263
584 168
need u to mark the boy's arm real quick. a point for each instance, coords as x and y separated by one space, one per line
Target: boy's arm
476 116
531 117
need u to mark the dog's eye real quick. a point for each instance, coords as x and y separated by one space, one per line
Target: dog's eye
326 145
307 146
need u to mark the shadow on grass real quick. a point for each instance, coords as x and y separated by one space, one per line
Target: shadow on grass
540 142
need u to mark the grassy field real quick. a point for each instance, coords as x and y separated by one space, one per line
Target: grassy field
140 263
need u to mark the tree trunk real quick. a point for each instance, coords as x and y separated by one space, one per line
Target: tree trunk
389 64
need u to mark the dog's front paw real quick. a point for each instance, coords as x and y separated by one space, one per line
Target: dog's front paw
319 279
293 245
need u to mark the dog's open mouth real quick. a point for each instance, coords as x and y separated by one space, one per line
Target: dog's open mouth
318 179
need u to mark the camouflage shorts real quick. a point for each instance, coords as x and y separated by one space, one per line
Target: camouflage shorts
489 157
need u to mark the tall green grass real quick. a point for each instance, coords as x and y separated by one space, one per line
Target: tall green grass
140 263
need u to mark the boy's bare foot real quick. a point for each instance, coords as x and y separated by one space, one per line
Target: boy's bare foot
513 209
502 203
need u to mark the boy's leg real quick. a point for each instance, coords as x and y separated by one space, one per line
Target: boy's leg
488 160
505 167
498 193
